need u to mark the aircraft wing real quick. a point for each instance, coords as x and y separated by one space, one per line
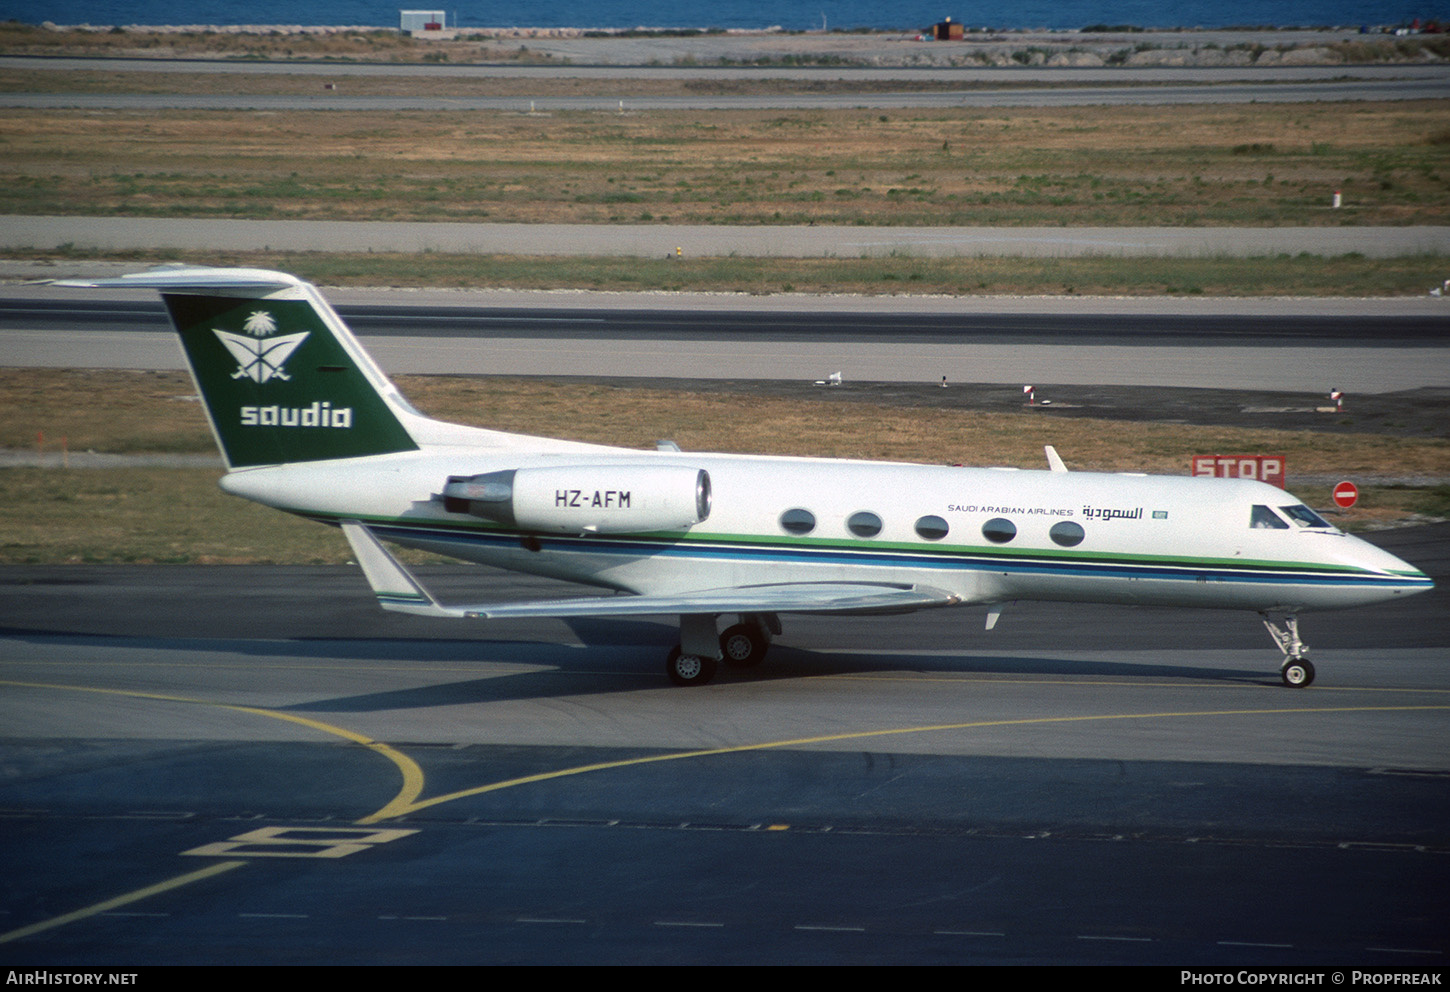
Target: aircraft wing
398 590
785 597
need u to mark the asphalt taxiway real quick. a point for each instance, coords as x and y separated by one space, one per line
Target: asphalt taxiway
864 87
1307 347
257 765
254 764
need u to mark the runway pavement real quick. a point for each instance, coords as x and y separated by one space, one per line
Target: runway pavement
709 240
591 59
1079 96
846 87
255 765
1304 347
1356 370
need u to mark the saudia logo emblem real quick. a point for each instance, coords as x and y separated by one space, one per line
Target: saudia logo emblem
262 358
321 414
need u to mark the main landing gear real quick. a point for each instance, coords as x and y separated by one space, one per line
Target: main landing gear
1297 671
689 669
696 658
744 645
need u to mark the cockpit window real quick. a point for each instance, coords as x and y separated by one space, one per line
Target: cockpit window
1303 516
1264 518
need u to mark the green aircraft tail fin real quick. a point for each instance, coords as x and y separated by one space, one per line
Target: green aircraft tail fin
282 378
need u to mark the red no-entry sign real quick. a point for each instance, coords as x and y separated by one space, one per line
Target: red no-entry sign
1345 495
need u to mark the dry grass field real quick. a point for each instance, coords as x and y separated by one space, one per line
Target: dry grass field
1253 165
1209 166
1261 165
126 412
178 514
17 38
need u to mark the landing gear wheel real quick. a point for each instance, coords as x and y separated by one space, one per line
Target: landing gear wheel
742 646
689 669
1297 672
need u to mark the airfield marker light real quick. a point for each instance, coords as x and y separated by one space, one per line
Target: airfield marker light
1338 200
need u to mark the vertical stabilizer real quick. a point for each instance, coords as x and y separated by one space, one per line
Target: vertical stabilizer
281 377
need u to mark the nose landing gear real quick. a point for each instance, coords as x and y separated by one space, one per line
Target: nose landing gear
1296 671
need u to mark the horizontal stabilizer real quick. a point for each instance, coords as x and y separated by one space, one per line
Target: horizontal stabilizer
398 590
190 278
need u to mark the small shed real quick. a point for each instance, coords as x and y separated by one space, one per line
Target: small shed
947 30
411 21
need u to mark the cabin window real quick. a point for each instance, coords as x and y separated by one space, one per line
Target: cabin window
1067 534
1264 518
999 530
1304 517
798 521
864 524
932 528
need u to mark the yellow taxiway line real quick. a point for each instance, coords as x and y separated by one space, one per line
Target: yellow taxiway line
407 799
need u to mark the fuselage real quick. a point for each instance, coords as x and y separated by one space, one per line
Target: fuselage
984 535
308 423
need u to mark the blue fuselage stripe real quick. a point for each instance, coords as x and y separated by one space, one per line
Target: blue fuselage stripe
705 549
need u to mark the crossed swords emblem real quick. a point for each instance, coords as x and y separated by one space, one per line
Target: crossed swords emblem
263 360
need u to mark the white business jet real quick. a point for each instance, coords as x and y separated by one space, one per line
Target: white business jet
308 424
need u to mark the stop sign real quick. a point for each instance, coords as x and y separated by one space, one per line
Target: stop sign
1345 495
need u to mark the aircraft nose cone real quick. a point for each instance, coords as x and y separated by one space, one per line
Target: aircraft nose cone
1394 576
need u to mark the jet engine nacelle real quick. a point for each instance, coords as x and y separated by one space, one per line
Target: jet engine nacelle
585 499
